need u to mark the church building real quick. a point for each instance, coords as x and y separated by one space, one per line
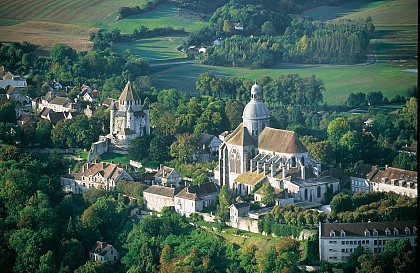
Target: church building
255 153
128 117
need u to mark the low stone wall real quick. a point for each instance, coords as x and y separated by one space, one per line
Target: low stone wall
50 150
98 148
245 223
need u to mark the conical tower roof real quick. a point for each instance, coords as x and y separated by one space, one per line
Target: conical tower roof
128 93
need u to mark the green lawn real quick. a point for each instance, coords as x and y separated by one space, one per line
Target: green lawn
385 12
116 158
155 49
339 81
163 16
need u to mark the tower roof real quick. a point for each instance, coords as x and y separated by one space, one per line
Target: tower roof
128 93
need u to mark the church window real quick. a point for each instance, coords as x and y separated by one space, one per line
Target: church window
318 191
306 194
293 162
235 161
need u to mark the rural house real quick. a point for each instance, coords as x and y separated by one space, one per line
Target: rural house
103 252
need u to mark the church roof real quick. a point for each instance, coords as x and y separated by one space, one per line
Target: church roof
128 93
281 141
250 178
240 137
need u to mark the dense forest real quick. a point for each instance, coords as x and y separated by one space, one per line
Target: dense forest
272 35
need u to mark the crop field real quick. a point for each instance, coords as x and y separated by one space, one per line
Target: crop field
155 49
86 12
47 34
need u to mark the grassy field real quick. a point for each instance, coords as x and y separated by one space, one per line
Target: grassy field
164 16
115 158
339 81
155 49
385 12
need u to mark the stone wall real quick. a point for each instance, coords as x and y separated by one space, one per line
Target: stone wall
98 148
245 223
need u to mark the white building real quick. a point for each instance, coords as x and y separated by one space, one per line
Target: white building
255 153
196 197
400 181
157 197
100 175
103 252
338 240
128 117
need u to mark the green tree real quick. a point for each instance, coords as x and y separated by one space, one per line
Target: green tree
7 112
138 149
268 195
47 263
224 202
336 129
43 133
341 202
183 148
233 111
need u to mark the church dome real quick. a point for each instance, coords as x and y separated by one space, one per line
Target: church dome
255 109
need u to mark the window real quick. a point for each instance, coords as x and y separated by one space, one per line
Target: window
306 194
235 161
332 233
396 231
318 191
375 232
387 231
342 233
407 231
367 232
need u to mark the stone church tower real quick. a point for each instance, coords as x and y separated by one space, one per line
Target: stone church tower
128 117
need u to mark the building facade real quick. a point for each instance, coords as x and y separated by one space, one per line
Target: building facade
128 117
100 175
255 153
103 252
338 240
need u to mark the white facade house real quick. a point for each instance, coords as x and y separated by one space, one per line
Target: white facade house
238 210
338 240
400 181
100 175
103 252
157 197
167 176
195 198
360 178
255 153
